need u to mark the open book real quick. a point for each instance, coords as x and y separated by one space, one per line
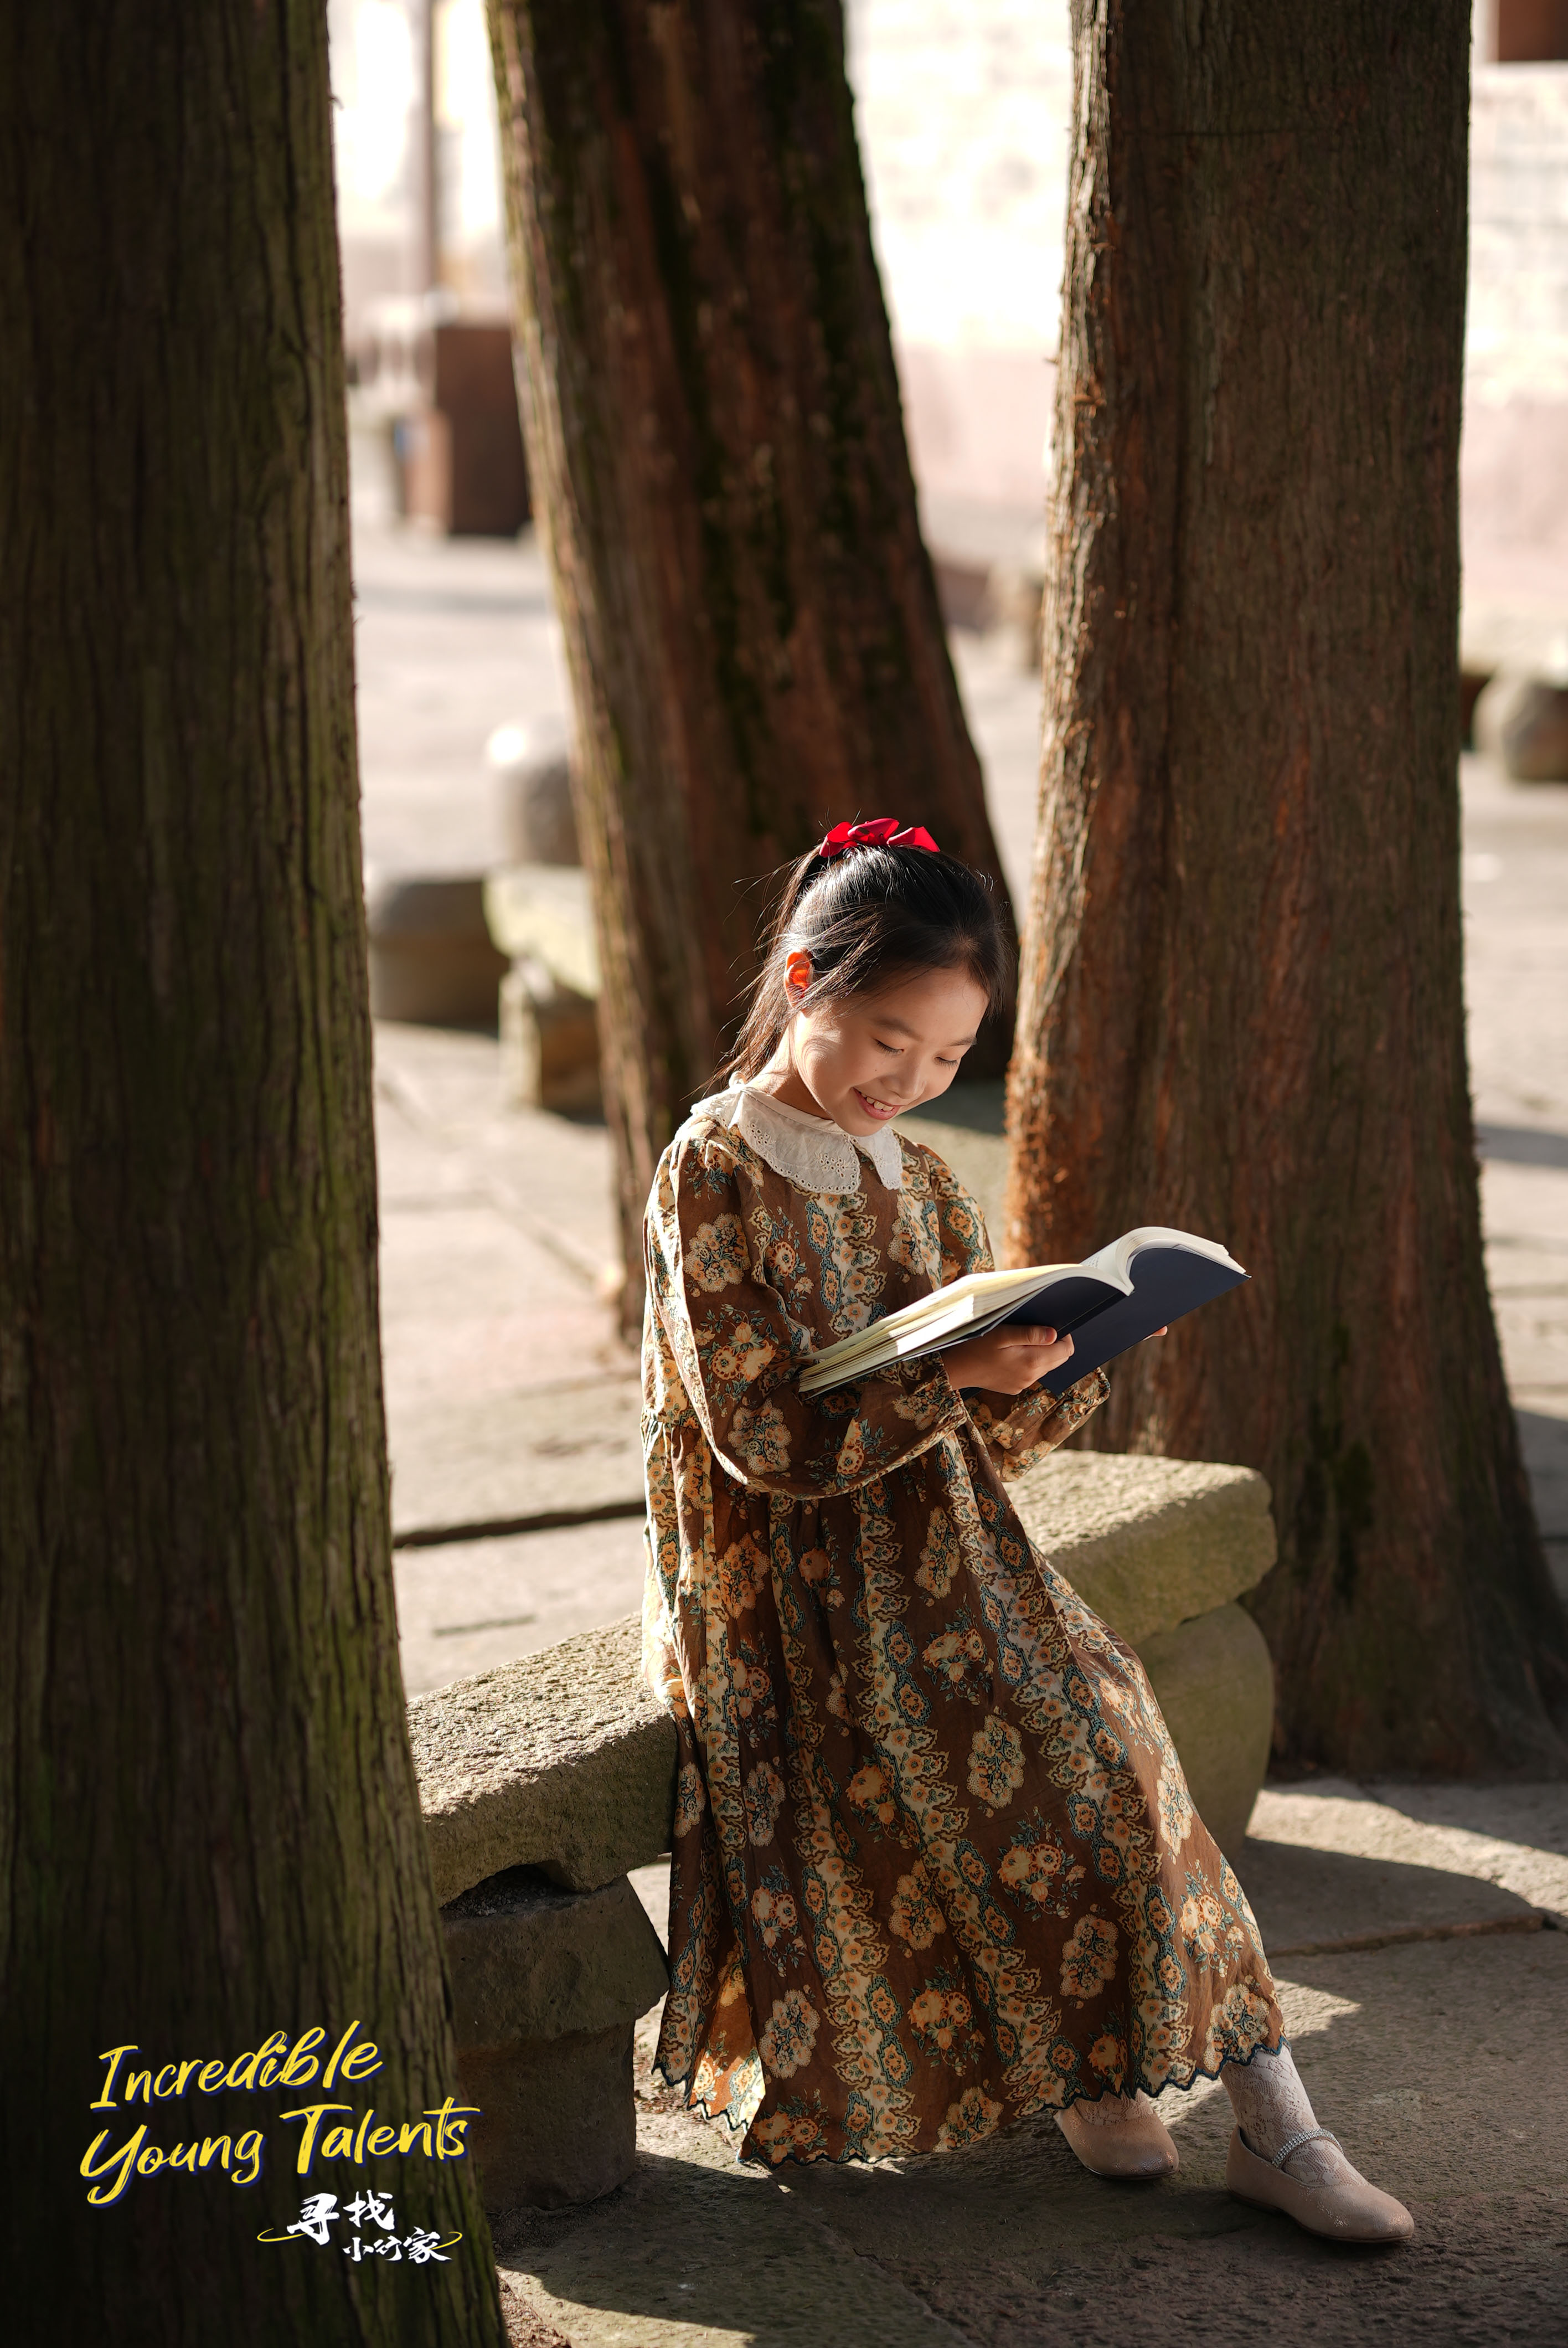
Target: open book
1107 1302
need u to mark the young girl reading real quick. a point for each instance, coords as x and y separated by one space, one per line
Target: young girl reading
936 1866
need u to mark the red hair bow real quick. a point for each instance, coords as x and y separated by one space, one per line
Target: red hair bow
882 831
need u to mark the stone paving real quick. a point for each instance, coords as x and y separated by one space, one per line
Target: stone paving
1436 2049
1438 2045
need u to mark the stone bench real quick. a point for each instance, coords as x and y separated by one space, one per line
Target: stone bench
432 960
541 916
544 1783
546 1987
562 1761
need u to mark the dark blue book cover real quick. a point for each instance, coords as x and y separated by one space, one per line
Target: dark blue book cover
1167 1281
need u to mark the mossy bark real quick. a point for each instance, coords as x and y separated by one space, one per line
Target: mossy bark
716 444
1241 1006
208 1819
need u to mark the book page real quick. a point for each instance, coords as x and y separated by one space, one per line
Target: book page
981 1300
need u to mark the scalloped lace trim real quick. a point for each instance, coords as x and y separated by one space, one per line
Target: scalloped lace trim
810 1150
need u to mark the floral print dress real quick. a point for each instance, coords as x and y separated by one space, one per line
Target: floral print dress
936 1866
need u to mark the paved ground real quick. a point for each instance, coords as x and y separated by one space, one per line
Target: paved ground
1437 2051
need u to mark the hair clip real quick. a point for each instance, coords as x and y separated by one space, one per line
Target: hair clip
882 831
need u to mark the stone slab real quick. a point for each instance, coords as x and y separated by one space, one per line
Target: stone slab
550 1043
446 1134
453 638
562 1761
1441 2064
529 1961
437 982
1332 1863
1147 1542
1513 1835
696 2253
544 911
471 1606
1214 1683
473 1457
479 1313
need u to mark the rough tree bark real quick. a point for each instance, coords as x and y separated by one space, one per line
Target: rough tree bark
717 448
208 1820
1241 1007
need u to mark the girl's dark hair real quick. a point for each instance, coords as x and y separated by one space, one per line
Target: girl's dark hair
868 919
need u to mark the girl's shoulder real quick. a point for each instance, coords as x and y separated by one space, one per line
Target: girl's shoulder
928 1168
705 1146
934 1191
716 1113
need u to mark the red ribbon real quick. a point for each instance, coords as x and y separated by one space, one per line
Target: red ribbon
882 831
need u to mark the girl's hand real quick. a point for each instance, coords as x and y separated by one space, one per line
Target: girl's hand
1007 1359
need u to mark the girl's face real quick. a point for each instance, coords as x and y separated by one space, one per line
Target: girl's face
860 1062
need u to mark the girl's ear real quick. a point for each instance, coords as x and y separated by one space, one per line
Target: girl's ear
798 975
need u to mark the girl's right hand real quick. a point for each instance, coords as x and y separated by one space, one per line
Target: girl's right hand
1007 1359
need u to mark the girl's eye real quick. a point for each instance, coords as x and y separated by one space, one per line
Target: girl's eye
887 1047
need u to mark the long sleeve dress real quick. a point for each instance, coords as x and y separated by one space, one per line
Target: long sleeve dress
936 1866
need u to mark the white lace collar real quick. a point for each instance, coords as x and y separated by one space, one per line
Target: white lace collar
810 1151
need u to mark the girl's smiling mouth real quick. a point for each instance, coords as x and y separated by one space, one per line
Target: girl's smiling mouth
875 1108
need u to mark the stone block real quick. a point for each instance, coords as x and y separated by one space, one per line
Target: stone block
432 959
530 768
546 1987
1536 735
528 1959
545 912
1215 1683
564 1761
1147 1542
549 1042
557 2118
962 590
1017 600
1521 719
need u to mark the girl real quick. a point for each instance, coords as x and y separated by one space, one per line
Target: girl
936 1865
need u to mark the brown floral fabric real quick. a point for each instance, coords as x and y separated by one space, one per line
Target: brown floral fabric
936 1866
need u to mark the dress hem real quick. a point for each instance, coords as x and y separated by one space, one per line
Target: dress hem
698 2104
698 2108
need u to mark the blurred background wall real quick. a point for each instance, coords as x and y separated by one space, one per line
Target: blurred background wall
964 117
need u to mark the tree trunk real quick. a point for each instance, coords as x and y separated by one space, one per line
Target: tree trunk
717 450
207 1813
1241 1004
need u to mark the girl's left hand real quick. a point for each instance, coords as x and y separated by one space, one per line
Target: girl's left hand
1007 1359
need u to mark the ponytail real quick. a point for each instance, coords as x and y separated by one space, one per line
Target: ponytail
872 915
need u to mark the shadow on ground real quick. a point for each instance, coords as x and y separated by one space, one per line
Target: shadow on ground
1438 2061
1521 1145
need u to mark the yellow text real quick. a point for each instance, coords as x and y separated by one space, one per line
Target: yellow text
437 2136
